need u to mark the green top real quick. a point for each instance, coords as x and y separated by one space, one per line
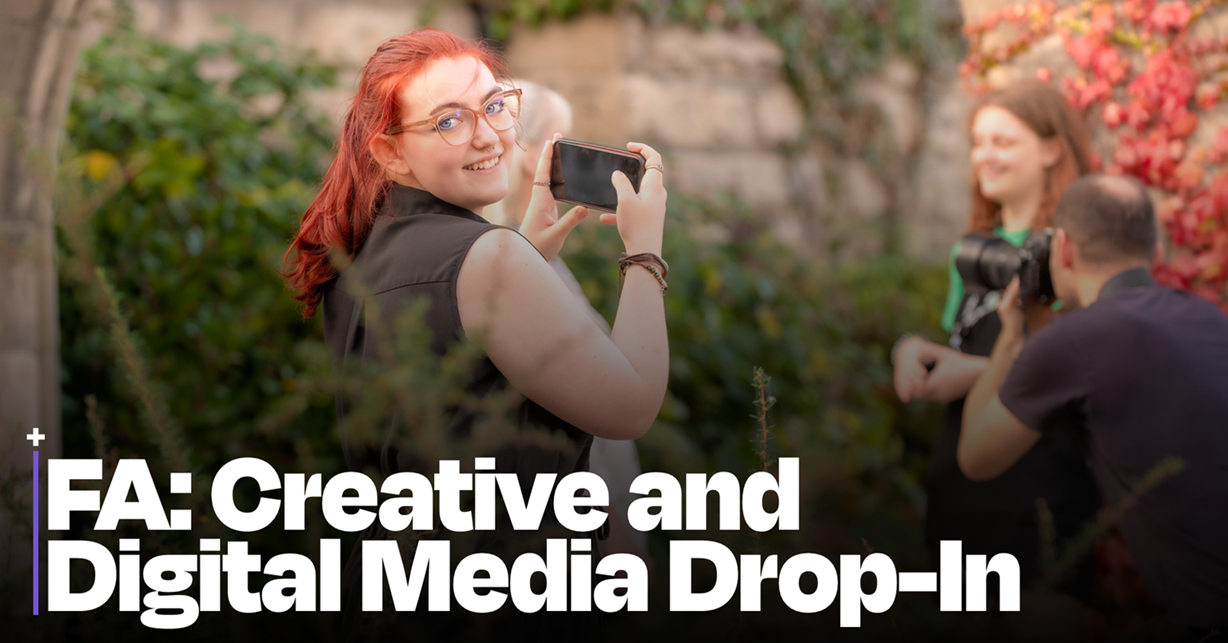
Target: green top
955 295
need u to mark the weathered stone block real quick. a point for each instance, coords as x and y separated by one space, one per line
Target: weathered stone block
862 190
710 54
20 10
593 44
808 181
195 21
893 92
20 285
458 19
19 401
758 178
690 114
942 203
598 105
20 41
349 34
778 115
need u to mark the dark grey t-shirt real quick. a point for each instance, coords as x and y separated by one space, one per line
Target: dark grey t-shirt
1145 370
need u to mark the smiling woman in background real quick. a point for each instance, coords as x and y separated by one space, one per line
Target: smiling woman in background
1028 145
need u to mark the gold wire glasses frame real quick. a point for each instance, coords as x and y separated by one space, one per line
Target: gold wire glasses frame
456 126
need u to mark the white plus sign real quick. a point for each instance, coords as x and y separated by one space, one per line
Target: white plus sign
36 437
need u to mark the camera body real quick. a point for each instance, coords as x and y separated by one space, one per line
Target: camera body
988 263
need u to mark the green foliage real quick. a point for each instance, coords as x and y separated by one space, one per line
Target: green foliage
201 161
828 44
823 333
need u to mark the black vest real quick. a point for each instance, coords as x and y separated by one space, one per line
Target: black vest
413 254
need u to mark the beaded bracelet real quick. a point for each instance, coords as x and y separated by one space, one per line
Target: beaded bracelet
654 264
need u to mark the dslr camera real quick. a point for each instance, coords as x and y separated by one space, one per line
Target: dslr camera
987 263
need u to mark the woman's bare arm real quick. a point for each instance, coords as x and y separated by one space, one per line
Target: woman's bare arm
543 341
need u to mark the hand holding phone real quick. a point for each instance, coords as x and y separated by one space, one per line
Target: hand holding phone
641 214
580 173
634 194
542 225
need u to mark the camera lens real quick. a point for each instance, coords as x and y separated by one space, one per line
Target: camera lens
986 262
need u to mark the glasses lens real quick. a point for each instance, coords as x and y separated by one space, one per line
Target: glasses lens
503 110
456 127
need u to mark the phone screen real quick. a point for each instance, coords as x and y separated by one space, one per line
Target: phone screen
580 173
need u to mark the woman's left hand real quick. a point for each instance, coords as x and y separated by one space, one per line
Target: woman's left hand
542 226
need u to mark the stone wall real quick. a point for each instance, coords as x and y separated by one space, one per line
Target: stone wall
715 103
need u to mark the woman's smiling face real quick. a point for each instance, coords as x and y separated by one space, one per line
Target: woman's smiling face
472 175
1008 158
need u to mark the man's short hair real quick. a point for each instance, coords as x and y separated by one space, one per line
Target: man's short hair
1110 218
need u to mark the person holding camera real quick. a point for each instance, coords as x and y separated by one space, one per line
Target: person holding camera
1142 371
425 146
1027 146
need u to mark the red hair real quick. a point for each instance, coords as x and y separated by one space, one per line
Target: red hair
341 215
1045 111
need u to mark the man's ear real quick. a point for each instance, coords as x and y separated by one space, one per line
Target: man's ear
388 154
1063 248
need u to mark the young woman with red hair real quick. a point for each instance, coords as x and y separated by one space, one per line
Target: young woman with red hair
423 148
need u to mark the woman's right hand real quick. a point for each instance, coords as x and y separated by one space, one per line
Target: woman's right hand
640 217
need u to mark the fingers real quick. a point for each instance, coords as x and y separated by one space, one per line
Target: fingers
608 218
622 185
572 219
541 177
907 382
1011 294
651 158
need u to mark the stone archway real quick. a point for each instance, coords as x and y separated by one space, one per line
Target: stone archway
38 59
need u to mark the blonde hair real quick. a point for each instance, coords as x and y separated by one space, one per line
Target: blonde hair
538 106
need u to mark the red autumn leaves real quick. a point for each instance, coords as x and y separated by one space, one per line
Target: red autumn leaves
1148 81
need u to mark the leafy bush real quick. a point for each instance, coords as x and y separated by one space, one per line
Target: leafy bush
822 332
204 159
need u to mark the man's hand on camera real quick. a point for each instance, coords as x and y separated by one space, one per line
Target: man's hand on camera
1010 310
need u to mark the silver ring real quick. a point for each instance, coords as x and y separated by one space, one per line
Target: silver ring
658 167
544 184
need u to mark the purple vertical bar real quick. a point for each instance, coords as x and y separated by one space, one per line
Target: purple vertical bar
36 533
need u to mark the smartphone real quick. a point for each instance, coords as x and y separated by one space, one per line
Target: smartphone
580 173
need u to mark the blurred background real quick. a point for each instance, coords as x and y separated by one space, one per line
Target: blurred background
817 157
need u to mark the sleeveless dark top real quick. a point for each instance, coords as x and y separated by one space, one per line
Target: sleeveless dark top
1001 515
414 253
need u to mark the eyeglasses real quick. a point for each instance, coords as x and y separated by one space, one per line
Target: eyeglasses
457 126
